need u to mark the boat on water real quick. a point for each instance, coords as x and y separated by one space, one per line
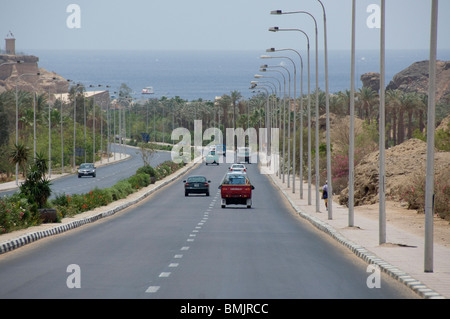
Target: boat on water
148 90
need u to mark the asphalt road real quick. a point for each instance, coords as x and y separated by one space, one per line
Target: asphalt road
172 246
107 175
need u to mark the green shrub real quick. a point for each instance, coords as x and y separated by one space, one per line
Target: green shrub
414 194
139 180
146 169
124 188
16 213
61 200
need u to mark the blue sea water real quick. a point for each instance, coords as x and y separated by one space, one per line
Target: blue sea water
206 74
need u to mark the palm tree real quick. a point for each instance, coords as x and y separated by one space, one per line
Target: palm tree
337 106
235 97
405 105
322 102
36 187
368 98
19 155
392 107
344 99
41 101
4 132
224 103
421 106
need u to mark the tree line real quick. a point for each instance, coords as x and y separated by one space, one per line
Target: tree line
156 118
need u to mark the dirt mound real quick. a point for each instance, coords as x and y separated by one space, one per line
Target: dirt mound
401 163
445 124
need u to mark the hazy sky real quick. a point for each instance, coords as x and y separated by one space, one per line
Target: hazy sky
213 24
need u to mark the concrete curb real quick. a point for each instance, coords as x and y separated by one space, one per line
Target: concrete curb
23 240
361 252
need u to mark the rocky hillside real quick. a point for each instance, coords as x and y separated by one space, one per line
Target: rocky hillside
415 79
10 75
402 162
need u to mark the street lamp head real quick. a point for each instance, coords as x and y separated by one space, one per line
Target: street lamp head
254 82
265 57
273 29
270 50
263 69
258 76
277 12
264 66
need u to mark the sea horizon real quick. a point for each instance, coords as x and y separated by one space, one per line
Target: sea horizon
206 74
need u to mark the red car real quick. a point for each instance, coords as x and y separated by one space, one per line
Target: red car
236 189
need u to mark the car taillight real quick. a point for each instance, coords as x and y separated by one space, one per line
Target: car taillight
186 185
206 184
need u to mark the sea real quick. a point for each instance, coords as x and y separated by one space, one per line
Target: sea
193 75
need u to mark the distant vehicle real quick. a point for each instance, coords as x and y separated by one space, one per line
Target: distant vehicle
236 189
196 184
237 168
87 169
243 155
212 148
221 149
148 90
212 158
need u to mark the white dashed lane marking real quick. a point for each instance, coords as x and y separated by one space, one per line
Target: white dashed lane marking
154 289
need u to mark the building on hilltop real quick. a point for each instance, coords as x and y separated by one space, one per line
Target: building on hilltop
102 98
10 44
15 67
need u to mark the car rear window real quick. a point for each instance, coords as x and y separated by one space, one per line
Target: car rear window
235 180
196 179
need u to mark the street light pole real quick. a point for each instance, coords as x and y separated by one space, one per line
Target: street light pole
327 102
295 109
289 109
284 116
429 183
351 155
381 177
62 137
265 68
280 12
301 119
17 119
74 125
50 133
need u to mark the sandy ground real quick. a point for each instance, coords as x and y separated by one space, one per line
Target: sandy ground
409 220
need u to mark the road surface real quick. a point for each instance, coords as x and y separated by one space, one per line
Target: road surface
172 246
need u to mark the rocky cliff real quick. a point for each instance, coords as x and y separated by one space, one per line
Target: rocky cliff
415 79
11 71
